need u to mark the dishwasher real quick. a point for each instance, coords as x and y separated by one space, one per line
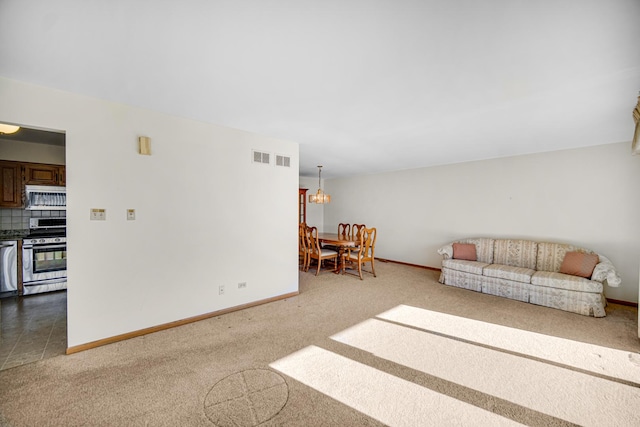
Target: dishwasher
8 268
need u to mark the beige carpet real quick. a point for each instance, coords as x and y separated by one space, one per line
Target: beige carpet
399 349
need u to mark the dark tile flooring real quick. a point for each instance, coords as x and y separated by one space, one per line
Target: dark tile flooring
33 328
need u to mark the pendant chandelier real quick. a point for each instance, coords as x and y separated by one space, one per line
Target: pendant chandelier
320 196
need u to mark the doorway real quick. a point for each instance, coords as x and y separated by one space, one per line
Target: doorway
32 327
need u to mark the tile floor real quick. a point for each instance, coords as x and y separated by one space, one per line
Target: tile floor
33 328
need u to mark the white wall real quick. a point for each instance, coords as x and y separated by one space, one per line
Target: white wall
588 197
315 212
20 151
205 215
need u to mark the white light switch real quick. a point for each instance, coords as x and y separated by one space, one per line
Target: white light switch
131 214
98 214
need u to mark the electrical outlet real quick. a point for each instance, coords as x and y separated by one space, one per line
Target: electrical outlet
221 290
98 214
242 285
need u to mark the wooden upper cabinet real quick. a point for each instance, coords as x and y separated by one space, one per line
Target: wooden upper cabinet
62 175
15 175
11 184
37 174
42 174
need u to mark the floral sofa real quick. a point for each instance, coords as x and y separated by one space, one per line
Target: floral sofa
555 275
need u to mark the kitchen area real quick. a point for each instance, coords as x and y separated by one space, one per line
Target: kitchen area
33 255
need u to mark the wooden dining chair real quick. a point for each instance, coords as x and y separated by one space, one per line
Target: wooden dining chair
365 252
303 247
319 253
356 229
344 232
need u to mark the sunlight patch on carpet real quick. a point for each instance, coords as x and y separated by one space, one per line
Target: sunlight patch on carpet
384 397
589 357
562 393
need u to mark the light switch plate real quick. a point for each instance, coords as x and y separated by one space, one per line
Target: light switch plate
131 214
98 214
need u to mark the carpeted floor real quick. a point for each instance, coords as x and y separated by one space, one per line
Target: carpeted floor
399 349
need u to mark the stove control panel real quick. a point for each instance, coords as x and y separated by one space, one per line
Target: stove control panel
46 240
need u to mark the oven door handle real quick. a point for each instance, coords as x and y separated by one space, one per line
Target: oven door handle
47 247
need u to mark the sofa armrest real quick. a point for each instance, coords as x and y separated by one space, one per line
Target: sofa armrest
605 270
446 251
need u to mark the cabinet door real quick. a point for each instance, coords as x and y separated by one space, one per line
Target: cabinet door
41 174
62 175
11 185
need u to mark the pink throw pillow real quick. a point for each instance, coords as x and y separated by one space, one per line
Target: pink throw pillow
465 251
579 264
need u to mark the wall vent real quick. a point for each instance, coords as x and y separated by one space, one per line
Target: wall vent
260 157
284 161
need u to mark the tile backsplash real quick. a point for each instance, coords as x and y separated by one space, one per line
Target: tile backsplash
18 219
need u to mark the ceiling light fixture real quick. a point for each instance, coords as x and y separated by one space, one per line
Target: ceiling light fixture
7 129
320 197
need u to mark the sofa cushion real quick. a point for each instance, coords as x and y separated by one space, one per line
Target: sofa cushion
516 253
465 251
552 279
474 267
579 264
517 274
551 255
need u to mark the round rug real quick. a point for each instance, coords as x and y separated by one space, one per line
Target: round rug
247 398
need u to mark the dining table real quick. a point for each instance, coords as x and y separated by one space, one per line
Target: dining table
341 243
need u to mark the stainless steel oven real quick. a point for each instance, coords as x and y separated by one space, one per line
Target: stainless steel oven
44 256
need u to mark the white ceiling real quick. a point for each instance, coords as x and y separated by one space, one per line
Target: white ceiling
362 85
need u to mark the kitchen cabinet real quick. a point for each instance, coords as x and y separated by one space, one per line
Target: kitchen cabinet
43 174
11 185
62 176
15 175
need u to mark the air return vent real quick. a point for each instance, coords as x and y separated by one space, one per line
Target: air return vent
284 161
260 157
